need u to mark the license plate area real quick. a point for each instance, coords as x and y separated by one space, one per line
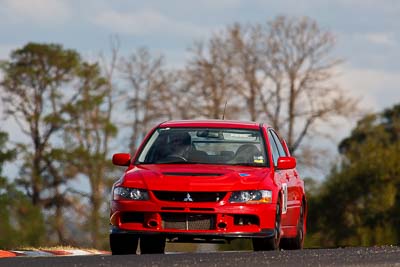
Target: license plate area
188 221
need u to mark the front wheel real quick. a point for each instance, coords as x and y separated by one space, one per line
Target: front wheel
152 244
298 241
270 243
122 244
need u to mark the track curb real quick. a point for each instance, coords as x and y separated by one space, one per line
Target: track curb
49 253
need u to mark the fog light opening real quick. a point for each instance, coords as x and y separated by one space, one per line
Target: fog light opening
222 225
246 220
152 223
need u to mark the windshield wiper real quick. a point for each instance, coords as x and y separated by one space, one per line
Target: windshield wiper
178 162
248 164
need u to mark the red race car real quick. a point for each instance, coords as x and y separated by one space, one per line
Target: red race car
208 181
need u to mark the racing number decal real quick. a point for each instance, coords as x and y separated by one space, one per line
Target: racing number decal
285 197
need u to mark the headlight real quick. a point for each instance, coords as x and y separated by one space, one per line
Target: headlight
251 197
130 193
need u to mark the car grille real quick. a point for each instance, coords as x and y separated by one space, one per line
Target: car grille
185 221
189 196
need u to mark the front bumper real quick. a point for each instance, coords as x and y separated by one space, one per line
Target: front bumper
188 220
195 237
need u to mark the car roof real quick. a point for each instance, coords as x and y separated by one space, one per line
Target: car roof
232 124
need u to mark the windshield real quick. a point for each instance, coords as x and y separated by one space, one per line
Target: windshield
204 145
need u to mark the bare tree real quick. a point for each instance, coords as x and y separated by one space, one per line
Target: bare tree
244 46
208 77
298 57
148 92
282 71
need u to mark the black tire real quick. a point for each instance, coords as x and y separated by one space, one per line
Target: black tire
123 244
152 244
298 241
270 243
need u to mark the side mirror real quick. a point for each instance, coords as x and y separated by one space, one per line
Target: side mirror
285 163
121 159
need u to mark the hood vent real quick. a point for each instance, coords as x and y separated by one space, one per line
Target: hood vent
191 174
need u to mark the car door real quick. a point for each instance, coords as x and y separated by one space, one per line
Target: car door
280 175
289 183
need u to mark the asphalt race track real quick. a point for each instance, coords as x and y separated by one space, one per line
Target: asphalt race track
374 256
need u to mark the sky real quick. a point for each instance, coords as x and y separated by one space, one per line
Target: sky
367 32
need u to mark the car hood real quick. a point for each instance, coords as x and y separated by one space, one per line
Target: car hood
201 177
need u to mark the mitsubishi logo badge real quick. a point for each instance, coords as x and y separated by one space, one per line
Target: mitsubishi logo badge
188 198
